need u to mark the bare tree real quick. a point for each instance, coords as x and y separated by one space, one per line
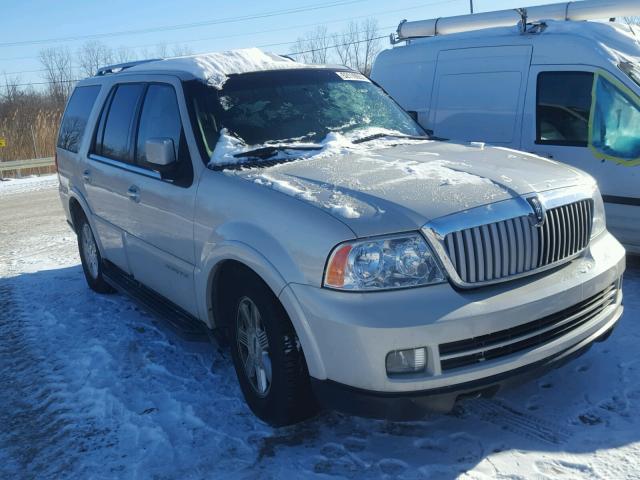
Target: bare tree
161 50
343 44
93 55
123 54
370 44
11 89
58 72
314 46
181 50
358 45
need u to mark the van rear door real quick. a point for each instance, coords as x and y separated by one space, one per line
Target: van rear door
478 94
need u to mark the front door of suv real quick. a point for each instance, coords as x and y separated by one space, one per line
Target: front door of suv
153 209
160 244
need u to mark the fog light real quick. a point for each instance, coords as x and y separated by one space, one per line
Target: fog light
412 360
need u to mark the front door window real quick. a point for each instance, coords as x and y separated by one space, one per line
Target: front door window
615 122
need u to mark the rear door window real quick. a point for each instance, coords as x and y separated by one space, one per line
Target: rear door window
114 136
562 109
76 116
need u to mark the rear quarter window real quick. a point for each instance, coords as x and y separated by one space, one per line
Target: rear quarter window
76 116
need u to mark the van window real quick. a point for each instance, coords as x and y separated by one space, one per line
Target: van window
160 118
116 135
76 116
563 106
616 122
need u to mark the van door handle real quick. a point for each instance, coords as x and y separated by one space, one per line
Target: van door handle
133 193
87 176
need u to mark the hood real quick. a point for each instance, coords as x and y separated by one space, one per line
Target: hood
402 187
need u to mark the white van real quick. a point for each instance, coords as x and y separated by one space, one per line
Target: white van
564 90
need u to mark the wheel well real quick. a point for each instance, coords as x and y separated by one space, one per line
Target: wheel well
76 212
227 274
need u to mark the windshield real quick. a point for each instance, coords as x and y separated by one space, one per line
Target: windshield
301 106
632 70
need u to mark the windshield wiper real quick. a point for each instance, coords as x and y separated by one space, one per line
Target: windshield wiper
390 135
270 151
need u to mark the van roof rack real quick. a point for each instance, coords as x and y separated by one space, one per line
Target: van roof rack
583 10
119 67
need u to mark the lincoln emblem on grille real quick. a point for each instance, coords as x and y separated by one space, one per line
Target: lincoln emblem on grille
537 218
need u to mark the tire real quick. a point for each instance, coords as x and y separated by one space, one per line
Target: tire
90 257
277 386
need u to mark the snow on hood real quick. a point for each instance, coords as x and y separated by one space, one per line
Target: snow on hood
334 144
214 68
408 182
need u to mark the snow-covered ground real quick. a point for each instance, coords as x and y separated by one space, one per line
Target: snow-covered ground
93 387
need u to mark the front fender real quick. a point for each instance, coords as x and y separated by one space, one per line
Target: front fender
249 256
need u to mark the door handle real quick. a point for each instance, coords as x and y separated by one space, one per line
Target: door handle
133 193
87 176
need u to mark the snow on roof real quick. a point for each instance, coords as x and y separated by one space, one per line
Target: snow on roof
215 67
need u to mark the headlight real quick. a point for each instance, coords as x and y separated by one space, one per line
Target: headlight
599 217
382 263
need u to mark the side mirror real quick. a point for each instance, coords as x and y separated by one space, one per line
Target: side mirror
160 152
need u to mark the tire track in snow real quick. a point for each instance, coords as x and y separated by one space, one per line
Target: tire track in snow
40 424
512 420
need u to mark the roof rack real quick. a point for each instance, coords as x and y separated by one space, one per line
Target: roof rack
122 66
583 10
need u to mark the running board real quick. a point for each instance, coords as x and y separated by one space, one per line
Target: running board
180 321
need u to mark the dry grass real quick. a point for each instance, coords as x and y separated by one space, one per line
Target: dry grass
29 133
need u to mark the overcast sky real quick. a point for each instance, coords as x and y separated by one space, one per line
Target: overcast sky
172 23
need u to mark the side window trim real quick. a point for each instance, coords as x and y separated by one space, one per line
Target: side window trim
125 166
560 143
98 136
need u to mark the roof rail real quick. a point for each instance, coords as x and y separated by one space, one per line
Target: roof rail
122 66
583 10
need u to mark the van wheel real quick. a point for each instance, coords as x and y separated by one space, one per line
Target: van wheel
90 257
267 357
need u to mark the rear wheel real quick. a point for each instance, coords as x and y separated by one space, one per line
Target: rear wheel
267 356
90 257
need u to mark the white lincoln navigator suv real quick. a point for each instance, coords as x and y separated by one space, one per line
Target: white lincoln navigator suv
349 260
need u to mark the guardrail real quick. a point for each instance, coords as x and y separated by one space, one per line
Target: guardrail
18 166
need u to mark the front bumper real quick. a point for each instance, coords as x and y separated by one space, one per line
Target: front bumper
405 406
346 336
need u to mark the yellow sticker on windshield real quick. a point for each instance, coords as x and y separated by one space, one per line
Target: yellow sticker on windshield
353 76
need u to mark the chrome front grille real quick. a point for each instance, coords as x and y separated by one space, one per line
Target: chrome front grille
471 351
497 251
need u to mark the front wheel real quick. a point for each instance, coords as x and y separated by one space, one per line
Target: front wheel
91 258
267 356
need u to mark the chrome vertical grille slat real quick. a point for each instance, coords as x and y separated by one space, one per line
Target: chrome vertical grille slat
515 246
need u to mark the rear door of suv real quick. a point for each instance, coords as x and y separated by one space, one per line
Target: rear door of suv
153 209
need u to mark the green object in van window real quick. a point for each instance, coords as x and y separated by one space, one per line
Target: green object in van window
614 132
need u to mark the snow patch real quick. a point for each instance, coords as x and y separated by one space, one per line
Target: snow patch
337 202
28 184
443 171
334 143
214 68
